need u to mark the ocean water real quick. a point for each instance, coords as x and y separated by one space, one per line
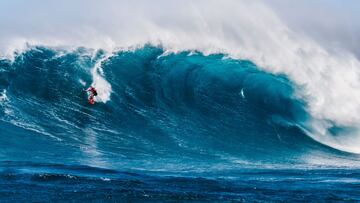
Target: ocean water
167 126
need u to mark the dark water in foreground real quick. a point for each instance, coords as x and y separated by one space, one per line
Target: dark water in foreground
24 182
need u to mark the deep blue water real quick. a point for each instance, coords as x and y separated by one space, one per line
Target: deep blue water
178 126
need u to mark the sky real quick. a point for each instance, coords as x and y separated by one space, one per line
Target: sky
331 22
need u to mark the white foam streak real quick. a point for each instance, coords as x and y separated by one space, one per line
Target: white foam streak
102 86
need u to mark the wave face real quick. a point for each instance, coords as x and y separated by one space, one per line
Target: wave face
172 113
152 106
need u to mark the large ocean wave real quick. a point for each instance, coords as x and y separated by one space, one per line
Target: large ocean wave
154 109
324 77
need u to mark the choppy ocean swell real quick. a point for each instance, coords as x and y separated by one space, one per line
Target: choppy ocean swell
179 114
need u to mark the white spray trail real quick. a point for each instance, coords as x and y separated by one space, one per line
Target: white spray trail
102 86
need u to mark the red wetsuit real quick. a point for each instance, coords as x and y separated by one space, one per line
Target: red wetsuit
92 94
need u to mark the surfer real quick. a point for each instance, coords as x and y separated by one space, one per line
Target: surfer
92 94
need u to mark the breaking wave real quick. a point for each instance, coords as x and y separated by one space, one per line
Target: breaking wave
154 109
